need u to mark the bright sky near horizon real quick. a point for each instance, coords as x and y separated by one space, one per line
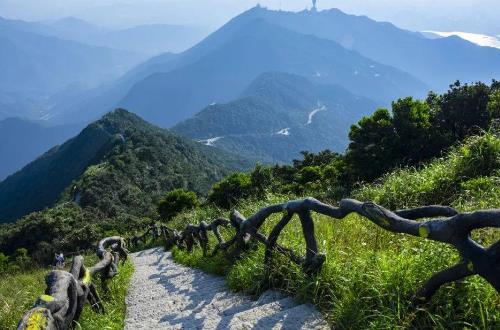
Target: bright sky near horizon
479 16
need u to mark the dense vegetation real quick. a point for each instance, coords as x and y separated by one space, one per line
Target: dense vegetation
107 179
176 201
370 275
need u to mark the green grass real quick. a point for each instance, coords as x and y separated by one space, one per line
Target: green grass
367 280
19 291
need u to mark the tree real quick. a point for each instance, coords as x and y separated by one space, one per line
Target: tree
412 122
309 174
175 202
373 142
261 178
463 110
494 105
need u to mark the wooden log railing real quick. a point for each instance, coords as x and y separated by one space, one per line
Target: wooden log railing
446 225
68 292
152 230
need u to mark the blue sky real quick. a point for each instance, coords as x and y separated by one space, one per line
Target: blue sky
466 15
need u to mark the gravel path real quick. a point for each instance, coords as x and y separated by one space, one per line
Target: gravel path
165 295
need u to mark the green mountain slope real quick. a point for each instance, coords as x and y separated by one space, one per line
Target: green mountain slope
278 116
117 164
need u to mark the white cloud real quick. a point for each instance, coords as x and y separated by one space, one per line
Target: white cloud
478 39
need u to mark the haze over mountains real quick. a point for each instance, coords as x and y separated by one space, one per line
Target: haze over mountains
352 51
36 67
335 66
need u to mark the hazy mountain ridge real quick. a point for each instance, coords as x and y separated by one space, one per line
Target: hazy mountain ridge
221 75
435 62
31 61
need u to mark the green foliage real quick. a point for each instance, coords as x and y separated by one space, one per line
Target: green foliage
22 258
416 131
119 164
467 169
373 141
18 293
494 105
65 228
370 275
227 192
4 262
308 174
176 201
114 303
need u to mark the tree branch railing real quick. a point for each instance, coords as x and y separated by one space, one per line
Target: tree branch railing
445 225
68 292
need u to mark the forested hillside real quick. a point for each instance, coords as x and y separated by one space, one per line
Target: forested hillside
118 164
278 116
442 150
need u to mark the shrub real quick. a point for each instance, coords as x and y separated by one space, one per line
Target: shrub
22 258
230 190
309 174
176 201
4 262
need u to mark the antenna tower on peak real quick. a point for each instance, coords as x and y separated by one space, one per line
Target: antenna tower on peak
314 7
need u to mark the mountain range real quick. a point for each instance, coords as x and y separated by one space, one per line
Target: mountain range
436 62
150 39
34 67
371 59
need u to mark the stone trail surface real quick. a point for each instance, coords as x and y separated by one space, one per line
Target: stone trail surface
165 295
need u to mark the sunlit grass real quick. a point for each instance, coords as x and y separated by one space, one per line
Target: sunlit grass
368 279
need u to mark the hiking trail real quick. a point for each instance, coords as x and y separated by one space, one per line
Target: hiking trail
166 295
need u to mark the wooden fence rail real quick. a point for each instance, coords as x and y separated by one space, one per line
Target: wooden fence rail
446 225
68 292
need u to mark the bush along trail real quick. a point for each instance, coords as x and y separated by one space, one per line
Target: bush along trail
67 292
446 226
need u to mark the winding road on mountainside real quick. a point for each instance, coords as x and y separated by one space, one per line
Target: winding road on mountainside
165 295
